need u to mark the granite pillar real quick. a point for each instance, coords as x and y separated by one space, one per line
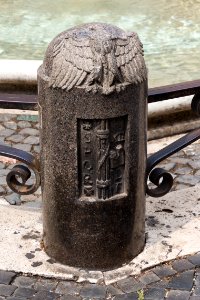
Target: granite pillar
92 101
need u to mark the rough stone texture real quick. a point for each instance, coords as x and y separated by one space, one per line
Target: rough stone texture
17 138
164 271
24 292
178 295
10 125
149 278
24 281
6 277
71 288
182 282
24 124
7 290
129 285
101 220
46 295
32 140
195 259
6 132
29 131
182 265
155 294
92 291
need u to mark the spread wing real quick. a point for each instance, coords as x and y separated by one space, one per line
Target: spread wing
130 61
72 63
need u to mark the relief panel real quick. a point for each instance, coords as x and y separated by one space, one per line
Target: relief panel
101 157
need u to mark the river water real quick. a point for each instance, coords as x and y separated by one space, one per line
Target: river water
168 29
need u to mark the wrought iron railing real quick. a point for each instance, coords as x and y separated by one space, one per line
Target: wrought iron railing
162 180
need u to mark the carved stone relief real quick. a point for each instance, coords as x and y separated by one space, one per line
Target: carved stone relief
98 58
102 157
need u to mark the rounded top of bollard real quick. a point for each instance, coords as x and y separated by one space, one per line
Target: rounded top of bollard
96 57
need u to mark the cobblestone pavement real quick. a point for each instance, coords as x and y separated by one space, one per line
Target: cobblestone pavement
179 279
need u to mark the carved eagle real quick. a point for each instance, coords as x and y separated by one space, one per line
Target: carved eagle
97 57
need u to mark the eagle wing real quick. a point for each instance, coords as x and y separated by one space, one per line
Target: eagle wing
130 61
72 62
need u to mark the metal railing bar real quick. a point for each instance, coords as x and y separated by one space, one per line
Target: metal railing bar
29 101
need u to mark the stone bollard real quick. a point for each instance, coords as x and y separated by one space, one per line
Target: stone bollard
92 102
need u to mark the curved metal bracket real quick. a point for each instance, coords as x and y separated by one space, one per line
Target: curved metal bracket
20 171
162 179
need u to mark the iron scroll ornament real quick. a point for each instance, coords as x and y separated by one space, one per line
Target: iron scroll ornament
158 176
21 171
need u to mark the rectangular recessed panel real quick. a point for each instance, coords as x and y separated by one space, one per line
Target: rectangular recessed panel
101 145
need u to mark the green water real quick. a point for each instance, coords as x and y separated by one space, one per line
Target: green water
169 30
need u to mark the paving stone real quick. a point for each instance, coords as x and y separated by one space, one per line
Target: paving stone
188 179
37 125
93 290
24 281
3 172
30 118
23 124
3 180
2 190
28 198
24 292
159 284
45 284
197 285
68 287
6 117
194 164
10 125
194 298
2 140
29 131
149 278
183 171
195 259
33 140
184 281
25 147
169 166
13 199
129 285
7 290
36 149
164 271
155 293
46 295
2 165
111 290
182 265
38 192
6 132
178 295
6 277
130 296
179 160
16 138
15 298
177 187
70 297
197 173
